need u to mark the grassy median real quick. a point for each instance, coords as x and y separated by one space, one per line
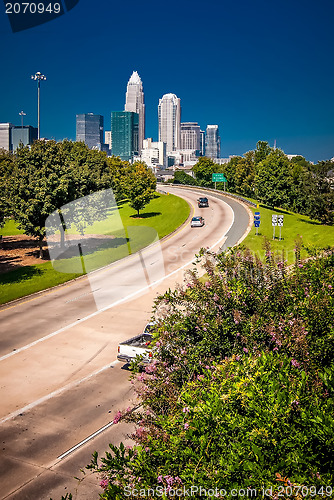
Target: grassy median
163 215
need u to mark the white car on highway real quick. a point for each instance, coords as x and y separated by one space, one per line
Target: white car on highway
197 221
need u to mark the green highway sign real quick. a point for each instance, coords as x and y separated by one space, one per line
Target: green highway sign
218 178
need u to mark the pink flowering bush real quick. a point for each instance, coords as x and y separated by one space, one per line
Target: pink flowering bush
241 388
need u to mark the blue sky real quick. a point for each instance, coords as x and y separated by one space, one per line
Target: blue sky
261 70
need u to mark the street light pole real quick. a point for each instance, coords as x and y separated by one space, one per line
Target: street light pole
22 114
38 76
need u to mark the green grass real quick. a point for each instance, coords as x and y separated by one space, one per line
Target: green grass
163 215
30 279
10 228
312 233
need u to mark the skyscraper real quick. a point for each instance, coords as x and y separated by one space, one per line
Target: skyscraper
190 136
212 142
202 143
124 134
134 101
11 136
170 121
23 135
90 130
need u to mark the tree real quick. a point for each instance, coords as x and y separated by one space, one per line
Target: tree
273 180
39 185
140 185
48 176
262 151
181 177
7 161
203 171
118 170
322 193
240 174
300 160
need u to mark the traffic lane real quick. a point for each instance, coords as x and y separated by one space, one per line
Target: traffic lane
33 317
53 367
32 442
81 388
59 479
26 320
242 214
242 221
38 316
74 353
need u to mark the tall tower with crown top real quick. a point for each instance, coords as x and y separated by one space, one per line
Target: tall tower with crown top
134 101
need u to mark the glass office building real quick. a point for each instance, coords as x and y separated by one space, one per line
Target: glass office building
212 142
90 130
24 136
12 136
124 134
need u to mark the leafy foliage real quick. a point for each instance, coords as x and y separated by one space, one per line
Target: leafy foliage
240 393
141 184
203 171
181 177
48 175
6 167
273 180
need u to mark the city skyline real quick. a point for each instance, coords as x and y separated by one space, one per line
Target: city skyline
258 70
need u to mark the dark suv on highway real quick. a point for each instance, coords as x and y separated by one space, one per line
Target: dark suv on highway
203 202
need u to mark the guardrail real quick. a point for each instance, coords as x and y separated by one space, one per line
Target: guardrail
218 191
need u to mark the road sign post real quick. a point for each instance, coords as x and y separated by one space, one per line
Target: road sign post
257 221
280 220
219 178
274 223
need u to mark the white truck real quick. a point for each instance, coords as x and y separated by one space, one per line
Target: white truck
136 346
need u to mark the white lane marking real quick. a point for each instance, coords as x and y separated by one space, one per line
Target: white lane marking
57 392
114 304
84 441
82 295
87 439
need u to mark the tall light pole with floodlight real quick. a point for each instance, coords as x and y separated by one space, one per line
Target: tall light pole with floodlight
22 114
38 76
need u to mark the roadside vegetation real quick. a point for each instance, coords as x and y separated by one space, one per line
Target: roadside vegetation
240 393
300 191
163 215
311 234
66 179
268 175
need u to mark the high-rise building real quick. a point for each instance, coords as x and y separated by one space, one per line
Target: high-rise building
170 121
23 135
107 138
12 136
90 130
6 136
134 101
154 154
202 143
124 134
190 136
212 142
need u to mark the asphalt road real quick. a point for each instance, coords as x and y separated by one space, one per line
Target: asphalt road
60 381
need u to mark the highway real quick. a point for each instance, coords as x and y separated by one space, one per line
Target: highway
60 382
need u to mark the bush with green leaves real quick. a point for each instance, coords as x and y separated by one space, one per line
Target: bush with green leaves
241 389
